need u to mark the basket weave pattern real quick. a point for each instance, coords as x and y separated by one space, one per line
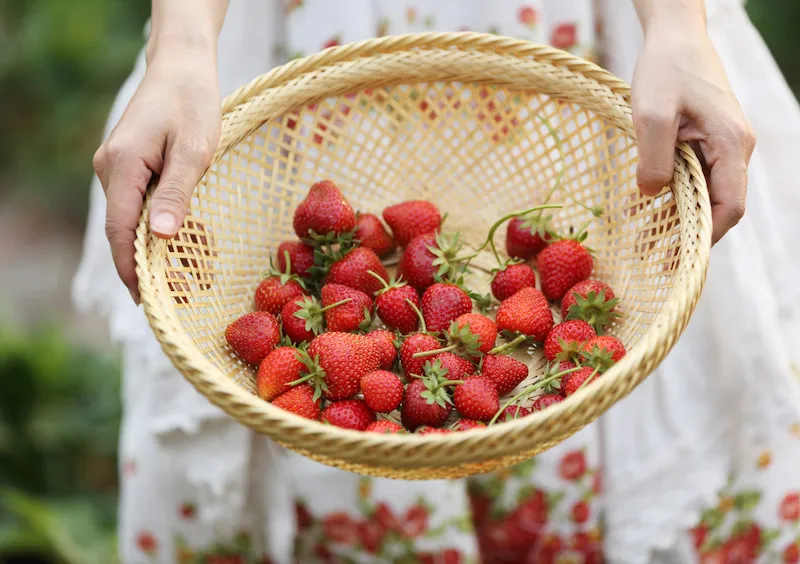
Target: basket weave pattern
479 124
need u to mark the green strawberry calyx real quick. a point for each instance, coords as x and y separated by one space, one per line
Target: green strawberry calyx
594 309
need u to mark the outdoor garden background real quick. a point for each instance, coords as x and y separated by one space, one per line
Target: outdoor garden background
61 62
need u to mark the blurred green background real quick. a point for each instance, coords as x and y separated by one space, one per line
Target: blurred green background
61 63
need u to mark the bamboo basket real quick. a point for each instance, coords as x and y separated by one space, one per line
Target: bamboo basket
482 125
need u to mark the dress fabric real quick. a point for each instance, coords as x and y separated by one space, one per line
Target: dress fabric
699 464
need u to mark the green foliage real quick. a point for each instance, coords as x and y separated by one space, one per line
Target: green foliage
777 21
59 421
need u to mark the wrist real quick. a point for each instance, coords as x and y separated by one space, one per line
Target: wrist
185 27
672 17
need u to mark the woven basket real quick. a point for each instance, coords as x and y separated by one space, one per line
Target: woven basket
481 125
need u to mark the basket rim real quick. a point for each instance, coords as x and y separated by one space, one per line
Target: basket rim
238 402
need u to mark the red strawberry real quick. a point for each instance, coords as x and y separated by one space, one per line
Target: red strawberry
371 234
468 424
566 340
592 301
349 414
427 256
385 426
424 430
546 401
302 319
425 401
514 412
337 361
275 291
280 368
418 342
383 391
393 308
580 512
526 237
455 367
300 257
254 335
477 398
354 270
505 371
385 345
480 326
348 315
442 303
511 279
576 380
527 313
562 265
603 352
300 401
323 211
409 219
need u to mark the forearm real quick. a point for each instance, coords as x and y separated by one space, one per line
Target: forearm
678 16
185 25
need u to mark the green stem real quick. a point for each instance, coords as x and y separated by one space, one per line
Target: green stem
448 348
337 304
378 276
500 349
288 262
419 314
589 379
529 389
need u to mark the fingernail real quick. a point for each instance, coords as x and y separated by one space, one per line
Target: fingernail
164 223
135 296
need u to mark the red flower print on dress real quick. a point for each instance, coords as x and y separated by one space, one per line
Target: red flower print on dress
383 28
415 522
188 511
339 527
447 556
527 16
699 535
128 467
386 519
564 36
597 482
371 535
791 554
292 5
532 514
332 42
790 507
303 516
580 512
411 14
573 466
146 542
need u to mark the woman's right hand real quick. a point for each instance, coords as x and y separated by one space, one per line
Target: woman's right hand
170 128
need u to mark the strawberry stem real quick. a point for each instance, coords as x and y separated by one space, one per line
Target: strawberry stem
379 277
532 388
448 348
337 304
589 379
419 314
501 349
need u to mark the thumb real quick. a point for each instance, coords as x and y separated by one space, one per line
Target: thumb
184 165
656 136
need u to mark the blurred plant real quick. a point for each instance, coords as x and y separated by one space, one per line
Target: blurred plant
59 421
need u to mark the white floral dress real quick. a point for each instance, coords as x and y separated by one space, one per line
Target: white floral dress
699 464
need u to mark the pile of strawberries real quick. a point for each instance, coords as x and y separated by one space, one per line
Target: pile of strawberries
337 339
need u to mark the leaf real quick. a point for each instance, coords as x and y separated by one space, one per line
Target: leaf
748 500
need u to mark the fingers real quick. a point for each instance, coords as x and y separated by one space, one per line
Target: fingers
184 165
656 133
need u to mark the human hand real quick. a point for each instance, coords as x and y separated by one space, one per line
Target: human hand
170 128
681 94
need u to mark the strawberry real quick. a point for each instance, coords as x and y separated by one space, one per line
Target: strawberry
393 307
480 326
409 219
442 303
295 257
425 430
385 426
323 211
468 425
336 362
546 401
300 401
371 234
476 398
505 371
354 270
514 412
511 279
383 391
346 309
413 344
455 367
386 347
592 301
302 319
603 352
429 256
526 237
527 313
425 401
565 341
562 265
577 379
279 368
349 414
274 291
254 335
